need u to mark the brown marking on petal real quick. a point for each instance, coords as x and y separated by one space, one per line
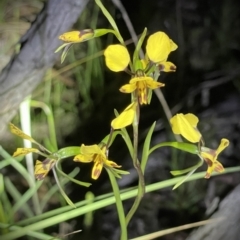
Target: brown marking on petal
122 90
212 152
225 144
113 164
142 98
85 31
96 174
173 68
45 164
219 168
97 170
139 73
40 176
160 67
207 176
209 162
145 99
142 92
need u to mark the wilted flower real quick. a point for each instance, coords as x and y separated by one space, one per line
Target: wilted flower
77 36
41 168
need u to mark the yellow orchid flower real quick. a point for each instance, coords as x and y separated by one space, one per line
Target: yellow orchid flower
141 84
210 156
117 57
186 125
159 46
125 118
77 36
95 154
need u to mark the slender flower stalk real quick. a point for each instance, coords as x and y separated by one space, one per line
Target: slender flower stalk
120 209
136 163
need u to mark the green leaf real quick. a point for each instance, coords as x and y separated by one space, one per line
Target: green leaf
137 49
54 188
146 147
88 218
112 170
113 136
186 147
191 170
119 205
101 32
67 199
67 152
184 179
138 65
17 165
180 172
149 96
61 47
121 171
1 184
111 20
85 184
56 216
21 200
65 52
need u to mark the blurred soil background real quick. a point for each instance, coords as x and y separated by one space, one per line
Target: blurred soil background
82 93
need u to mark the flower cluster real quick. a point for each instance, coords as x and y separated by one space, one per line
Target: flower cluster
186 125
144 69
117 59
158 47
144 75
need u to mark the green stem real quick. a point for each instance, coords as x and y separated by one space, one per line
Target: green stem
85 184
67 199
50 118
26 126
136 163
110 138
119 205
66 213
